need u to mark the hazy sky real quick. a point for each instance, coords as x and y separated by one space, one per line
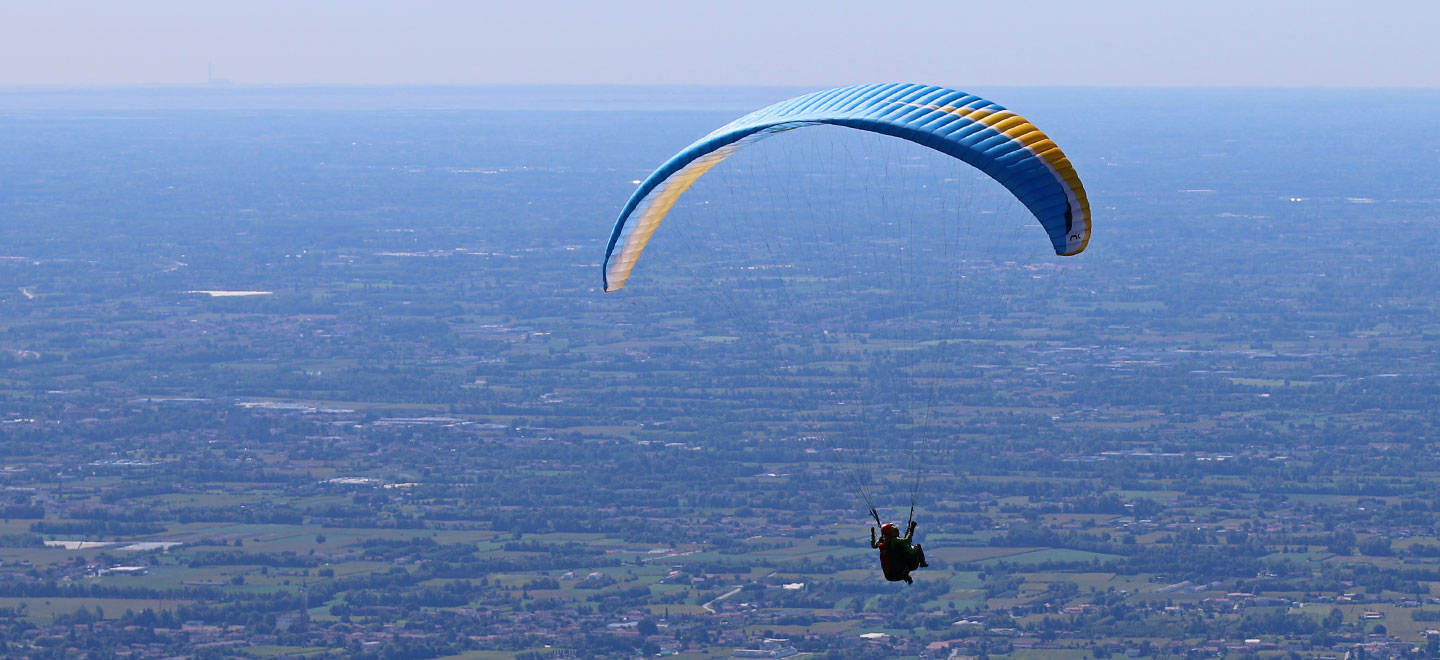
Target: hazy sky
1380 43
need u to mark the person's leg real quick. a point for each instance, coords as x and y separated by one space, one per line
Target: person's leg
920 555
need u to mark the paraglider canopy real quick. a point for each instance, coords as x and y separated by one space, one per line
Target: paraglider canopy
1000 143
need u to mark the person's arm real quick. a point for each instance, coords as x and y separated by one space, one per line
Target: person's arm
872 538
910 532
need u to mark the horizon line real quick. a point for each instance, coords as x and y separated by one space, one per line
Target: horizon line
227 85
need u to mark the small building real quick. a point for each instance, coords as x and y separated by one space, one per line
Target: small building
769 648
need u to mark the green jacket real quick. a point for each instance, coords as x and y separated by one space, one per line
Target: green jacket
897 555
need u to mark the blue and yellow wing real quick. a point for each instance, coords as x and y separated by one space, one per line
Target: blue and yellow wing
1000 143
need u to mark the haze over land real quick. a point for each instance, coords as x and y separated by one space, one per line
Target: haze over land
1212 433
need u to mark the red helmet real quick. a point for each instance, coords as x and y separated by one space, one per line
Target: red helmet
889 530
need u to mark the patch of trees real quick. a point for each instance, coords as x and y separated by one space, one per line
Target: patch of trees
285 559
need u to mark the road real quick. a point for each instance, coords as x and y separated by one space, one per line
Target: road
719 598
